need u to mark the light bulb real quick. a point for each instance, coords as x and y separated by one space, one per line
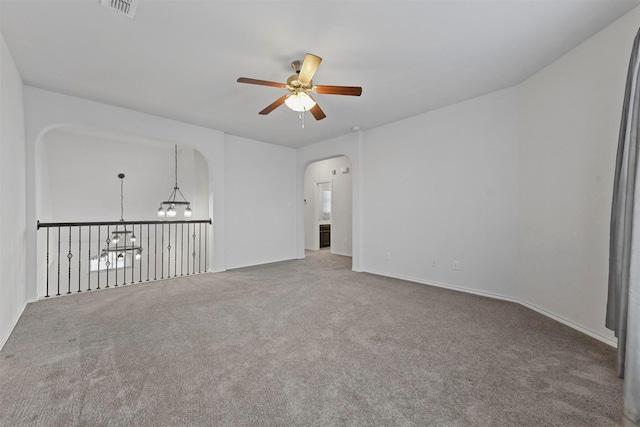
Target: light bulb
132 239
161 212
115 239
171 211
138 255
187 212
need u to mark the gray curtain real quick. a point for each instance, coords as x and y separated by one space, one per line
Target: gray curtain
623 305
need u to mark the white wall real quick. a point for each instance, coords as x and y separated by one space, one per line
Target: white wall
444 186
260 202
570 116
12 193
341 215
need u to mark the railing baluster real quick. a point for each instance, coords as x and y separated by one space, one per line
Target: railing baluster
206 258
188 254
162 255
133 261
193 261
200 248
47 295
89 261
155 252
175 252
99 256
108 261
148 250
116 267
169 253
79 255
181 248
69 256
58 294
124 261
140 245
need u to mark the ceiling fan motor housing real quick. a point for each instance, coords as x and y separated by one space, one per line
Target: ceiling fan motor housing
295 85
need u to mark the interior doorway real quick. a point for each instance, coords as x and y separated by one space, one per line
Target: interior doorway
323 212
328 206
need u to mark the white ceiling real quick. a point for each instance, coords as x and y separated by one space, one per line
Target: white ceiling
181 59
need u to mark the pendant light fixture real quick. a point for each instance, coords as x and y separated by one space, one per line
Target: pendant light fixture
123 240
171 202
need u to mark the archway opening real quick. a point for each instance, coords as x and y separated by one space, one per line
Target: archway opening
328 204
78 182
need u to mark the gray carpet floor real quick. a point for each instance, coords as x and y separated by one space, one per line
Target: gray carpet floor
300 343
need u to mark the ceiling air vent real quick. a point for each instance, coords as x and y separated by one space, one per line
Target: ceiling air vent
124 7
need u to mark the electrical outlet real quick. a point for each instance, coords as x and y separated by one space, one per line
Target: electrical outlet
456 265
434 262
388 256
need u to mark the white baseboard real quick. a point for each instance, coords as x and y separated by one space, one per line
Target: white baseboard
626 422
530 306
612 343
13 324
350 255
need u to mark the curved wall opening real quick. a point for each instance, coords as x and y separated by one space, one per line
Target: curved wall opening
328 205
77 180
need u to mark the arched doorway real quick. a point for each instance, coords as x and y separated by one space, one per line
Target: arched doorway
328 206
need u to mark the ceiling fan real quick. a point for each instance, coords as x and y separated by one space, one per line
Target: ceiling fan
300 85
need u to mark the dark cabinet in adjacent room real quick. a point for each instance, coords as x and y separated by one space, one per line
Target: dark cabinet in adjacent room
325 235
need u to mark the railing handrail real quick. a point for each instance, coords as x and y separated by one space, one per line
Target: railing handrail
90 223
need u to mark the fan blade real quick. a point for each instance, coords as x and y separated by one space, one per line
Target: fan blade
278 102
317 111
338 90
260 82
309 67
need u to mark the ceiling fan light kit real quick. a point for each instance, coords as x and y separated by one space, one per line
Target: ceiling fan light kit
299 85
300 102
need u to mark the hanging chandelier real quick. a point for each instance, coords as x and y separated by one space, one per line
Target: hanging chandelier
123 240
171 202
